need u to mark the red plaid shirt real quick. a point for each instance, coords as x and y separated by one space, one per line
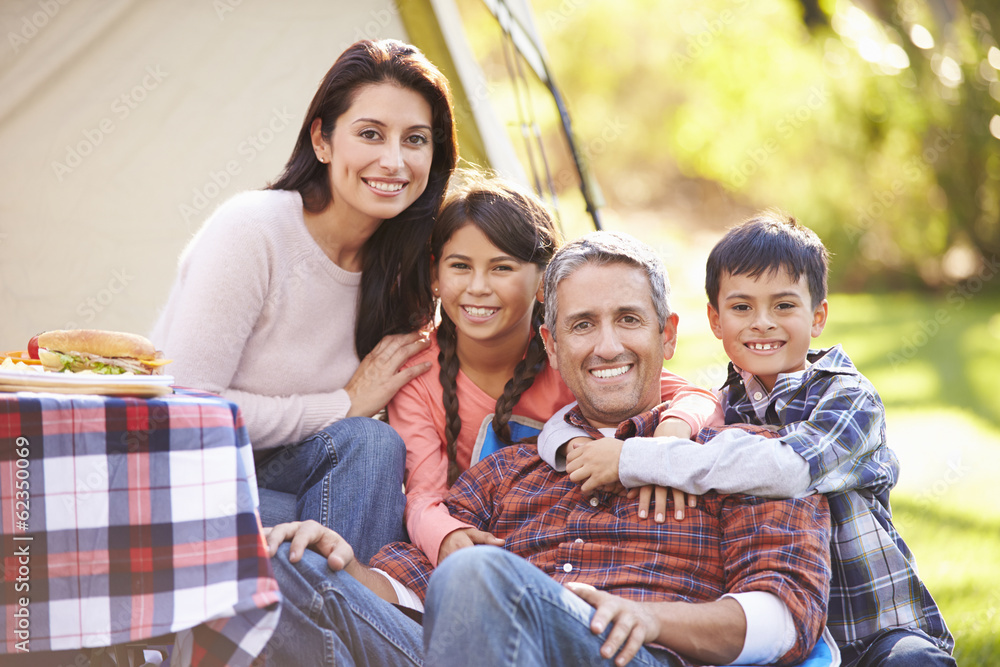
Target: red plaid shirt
728 544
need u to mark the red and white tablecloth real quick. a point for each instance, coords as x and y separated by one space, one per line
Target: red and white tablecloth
128 518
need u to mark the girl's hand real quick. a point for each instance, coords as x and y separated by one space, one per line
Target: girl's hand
673 427
659 494
379 377
465 537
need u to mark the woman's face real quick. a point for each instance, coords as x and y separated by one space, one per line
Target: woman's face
488 294
379 153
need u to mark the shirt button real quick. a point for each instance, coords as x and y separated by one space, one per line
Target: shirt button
594 502
757 396
567 568
578 540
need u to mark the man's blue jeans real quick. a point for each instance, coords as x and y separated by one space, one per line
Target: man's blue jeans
329 618
349 477
485 606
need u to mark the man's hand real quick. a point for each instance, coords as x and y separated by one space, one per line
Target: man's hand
672 427
594 464
313 535
633 624
465 537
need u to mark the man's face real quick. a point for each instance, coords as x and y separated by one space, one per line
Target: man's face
766 323
607 343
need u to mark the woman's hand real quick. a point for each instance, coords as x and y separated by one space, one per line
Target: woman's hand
379 377
465 537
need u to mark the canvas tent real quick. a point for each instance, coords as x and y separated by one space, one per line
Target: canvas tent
124 123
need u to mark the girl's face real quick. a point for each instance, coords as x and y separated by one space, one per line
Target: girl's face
488 294
380 152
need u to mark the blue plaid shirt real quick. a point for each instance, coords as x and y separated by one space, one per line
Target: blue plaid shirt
832 416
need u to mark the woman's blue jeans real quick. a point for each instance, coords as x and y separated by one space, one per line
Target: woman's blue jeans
485 606
349 477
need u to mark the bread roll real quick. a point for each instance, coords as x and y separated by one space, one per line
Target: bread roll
101 343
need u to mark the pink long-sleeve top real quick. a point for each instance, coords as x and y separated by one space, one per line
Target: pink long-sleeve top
418 415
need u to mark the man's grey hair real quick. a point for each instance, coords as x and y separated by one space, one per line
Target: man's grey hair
601 249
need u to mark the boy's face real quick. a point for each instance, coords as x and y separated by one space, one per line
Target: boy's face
766 323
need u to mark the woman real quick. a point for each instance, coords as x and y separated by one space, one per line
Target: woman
284 290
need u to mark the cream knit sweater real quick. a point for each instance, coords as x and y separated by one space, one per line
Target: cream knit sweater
260 315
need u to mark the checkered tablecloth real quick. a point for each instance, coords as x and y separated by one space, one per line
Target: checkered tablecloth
128 518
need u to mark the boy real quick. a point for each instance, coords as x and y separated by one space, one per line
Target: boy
766 285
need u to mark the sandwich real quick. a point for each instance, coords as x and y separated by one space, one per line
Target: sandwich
104 352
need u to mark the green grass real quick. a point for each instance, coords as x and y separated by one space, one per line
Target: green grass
936 362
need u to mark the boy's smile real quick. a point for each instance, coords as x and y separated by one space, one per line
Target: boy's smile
766 323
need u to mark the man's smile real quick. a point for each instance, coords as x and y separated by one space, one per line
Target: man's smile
605 373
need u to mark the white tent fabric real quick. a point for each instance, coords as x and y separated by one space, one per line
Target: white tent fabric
123 124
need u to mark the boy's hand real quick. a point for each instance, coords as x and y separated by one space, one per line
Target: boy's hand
570 445
674 428
594 464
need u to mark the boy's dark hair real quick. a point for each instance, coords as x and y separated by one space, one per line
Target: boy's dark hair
768 242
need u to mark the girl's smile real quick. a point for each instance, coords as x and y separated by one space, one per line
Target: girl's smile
488 294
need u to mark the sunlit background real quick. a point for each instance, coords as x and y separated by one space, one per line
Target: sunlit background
875 123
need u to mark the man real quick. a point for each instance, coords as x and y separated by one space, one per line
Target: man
581 579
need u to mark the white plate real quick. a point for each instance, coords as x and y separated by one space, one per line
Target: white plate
86 383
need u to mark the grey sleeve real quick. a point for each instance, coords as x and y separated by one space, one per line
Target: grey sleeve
556 433
732 462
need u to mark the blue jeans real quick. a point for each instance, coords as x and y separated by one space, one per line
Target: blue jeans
488 606
485 606
349 477
329 618
903 648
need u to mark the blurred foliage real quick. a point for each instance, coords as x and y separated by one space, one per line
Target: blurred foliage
868 120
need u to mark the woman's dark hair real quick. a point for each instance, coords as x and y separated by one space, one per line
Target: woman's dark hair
395 289
517 223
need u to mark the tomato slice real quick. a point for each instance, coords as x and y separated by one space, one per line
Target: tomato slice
33 347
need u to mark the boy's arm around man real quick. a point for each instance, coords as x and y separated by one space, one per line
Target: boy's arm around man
830 426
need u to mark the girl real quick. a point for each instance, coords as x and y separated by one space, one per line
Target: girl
265 310
490 246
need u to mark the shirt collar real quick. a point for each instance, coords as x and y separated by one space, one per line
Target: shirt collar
828 361
641 425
